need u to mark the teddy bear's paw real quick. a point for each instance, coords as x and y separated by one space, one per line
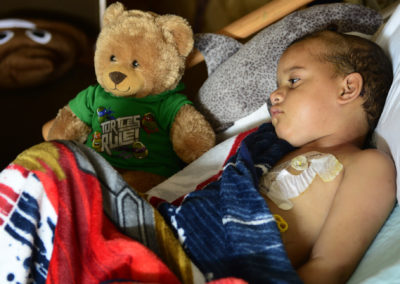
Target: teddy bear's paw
140 181
67 126
191 134
192 148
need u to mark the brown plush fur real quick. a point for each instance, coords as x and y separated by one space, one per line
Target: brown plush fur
159 44
191 134
147 54
141 181
68 126
26 63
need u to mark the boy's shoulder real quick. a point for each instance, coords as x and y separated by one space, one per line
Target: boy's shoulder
369 158
370 167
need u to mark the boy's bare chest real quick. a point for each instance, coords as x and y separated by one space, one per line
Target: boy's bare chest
304 208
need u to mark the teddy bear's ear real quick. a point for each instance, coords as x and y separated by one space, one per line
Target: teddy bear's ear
177 30
112 12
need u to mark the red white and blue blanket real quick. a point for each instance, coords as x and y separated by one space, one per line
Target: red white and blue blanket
66 216
53 228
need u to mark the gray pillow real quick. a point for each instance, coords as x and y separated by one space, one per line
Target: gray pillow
241 76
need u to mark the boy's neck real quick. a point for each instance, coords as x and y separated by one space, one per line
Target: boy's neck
336 143
349 129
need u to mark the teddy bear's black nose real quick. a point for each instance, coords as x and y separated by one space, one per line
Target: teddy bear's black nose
117 77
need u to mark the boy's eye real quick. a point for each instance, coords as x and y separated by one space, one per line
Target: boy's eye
113 58
294 80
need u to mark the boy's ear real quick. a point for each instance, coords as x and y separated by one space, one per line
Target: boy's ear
352 87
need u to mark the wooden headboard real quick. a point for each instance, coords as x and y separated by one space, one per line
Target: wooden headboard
254 22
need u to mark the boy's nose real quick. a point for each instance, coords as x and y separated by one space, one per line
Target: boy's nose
276 97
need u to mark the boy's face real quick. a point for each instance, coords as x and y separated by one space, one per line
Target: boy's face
304 105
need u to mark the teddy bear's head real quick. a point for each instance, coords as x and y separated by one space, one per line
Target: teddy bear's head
140 53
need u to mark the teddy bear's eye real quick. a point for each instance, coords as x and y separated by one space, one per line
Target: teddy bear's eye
135 64
113 58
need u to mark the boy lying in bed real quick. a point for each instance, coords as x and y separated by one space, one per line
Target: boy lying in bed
329 196
331 91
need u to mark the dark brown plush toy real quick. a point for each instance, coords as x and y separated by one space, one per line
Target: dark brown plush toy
36 51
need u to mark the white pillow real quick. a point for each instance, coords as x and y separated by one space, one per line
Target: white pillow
387 133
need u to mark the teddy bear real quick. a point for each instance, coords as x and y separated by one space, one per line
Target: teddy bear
136 116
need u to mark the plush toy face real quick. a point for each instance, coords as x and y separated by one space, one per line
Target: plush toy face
139 53
36 51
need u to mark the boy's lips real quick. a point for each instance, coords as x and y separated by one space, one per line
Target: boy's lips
275 111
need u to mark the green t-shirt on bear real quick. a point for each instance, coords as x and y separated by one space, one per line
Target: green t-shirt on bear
132 133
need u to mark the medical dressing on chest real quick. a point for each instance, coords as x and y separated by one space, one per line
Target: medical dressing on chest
290 179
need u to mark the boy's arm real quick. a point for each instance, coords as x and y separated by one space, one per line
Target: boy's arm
362 203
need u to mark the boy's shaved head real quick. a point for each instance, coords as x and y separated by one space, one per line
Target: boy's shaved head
349 54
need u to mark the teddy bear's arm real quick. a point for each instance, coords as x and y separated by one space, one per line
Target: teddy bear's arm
66 126
46 128
191 134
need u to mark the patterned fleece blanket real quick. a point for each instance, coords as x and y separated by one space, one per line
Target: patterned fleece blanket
226 227
66 216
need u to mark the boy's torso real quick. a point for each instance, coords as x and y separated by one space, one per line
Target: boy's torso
310 208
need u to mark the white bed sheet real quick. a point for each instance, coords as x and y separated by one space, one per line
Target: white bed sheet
381 263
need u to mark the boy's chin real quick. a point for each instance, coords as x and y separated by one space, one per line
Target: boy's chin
284 135
292 141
